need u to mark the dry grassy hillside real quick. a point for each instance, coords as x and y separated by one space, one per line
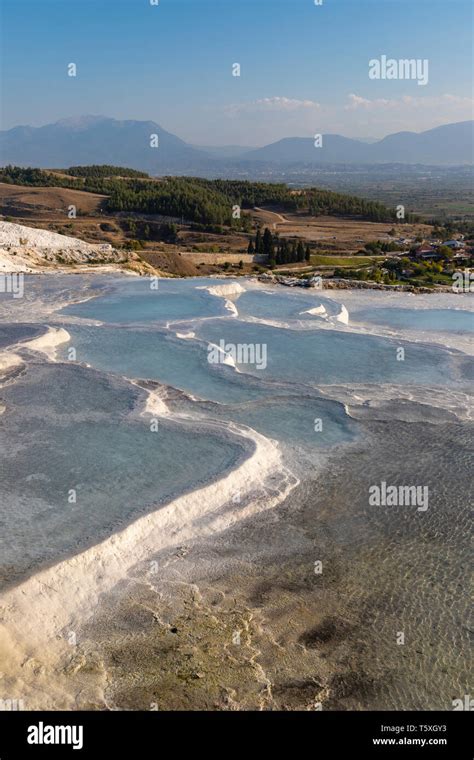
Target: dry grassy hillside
170 262
46 202
330 232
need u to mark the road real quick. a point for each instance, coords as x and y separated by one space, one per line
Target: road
280 218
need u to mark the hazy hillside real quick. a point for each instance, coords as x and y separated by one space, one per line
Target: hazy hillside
449 144
97 140
100 140
292 150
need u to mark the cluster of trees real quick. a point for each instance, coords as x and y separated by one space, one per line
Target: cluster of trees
311 200
378 247
352 274
395 270
326 202
178 197
289 253
214 229
18 175
248 194
413 271
104 170
372 274
446 229
201 201
166 232
278 251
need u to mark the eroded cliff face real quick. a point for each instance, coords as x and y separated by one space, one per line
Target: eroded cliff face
26 249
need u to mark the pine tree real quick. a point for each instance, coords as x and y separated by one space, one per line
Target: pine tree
258 242
267 244
300 251
251 249
278 253
308 253
294 252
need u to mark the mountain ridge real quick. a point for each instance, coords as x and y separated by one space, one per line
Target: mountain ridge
94 139
399 147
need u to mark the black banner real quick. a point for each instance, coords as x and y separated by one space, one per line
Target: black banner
135 734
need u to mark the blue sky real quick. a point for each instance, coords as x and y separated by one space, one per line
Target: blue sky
304 68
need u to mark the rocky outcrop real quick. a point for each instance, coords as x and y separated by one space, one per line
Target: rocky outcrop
27 248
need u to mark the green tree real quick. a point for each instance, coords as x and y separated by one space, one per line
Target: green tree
445 252
267 244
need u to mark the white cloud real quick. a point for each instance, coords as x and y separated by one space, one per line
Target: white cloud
355 101
265 120
407 102
279 104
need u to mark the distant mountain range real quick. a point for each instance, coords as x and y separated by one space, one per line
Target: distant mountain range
451 144
97 140
101 140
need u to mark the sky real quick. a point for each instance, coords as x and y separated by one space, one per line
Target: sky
304 67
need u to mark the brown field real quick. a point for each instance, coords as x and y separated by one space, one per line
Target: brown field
219 258
170 262
46 202
209 243
334 233
195 252
47 208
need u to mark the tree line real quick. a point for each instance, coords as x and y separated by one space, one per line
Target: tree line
205 202
278 251
104 170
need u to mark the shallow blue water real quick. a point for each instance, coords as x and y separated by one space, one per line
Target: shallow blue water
138 301
444 320
13 333
303 420
158 355
70 427
282 305
326 356
66 427
308 357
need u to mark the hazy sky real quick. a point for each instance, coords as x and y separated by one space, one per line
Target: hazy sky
304 68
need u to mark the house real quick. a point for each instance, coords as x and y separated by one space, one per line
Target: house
424 250
455 245
429 256
426 253
464 256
